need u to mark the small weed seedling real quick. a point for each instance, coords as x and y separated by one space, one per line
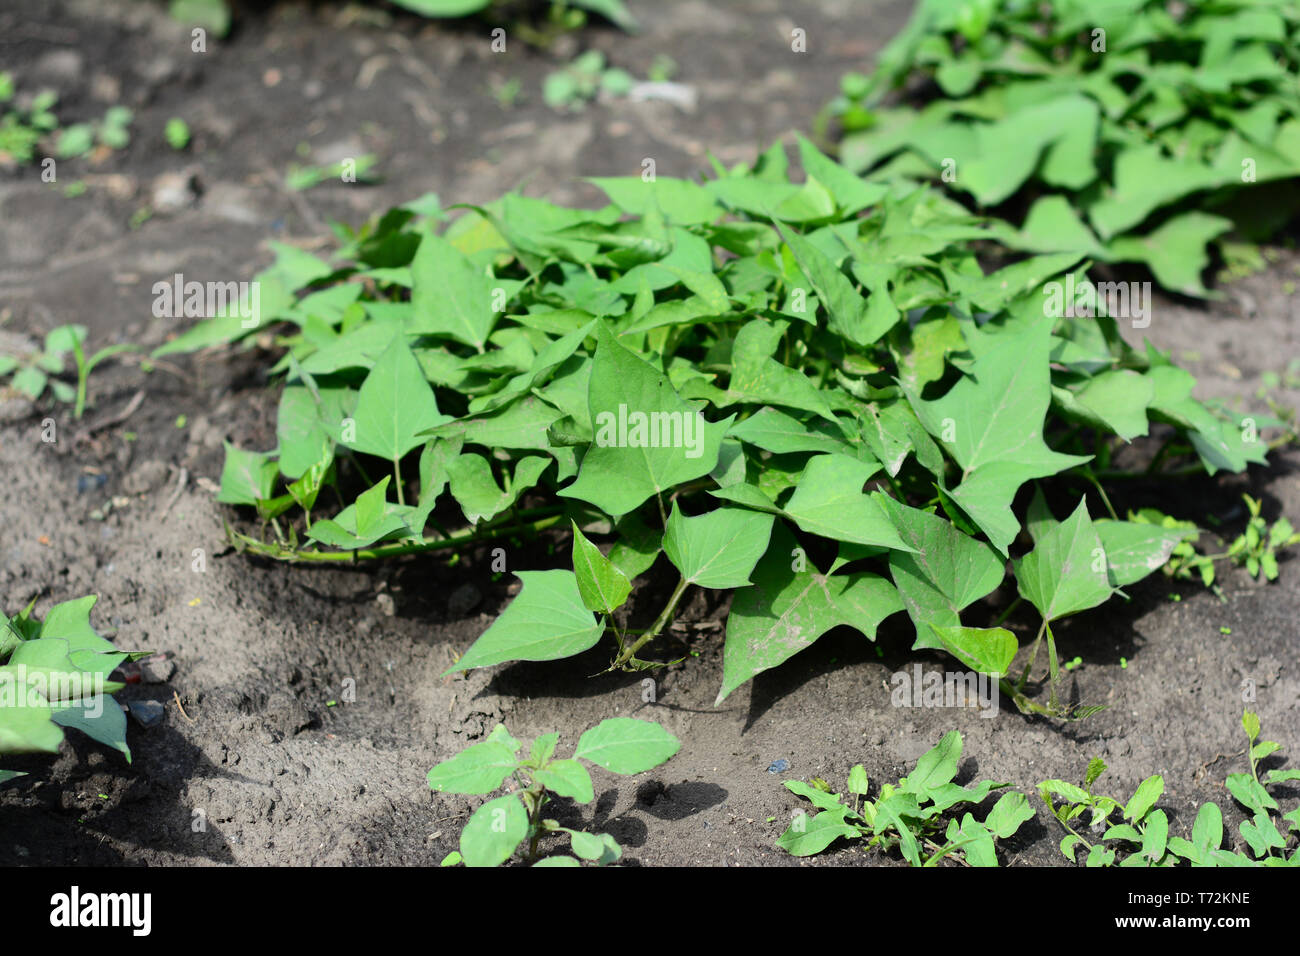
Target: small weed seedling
498 828
582 79
1144 826
22 129
112 132
362 169
1256 549
32 372
1143 833
909 815
53 674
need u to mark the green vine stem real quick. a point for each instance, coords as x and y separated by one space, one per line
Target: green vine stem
281 552
629 653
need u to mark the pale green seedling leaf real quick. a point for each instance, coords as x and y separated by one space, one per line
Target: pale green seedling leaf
494 831
625 745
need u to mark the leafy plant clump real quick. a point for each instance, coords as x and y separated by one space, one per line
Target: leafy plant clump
1136 131
53 675
809 392
498 828
21 130
909 816
112 132
1143 833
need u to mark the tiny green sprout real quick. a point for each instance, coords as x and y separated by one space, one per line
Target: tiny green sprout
1175 597
177 133
662 69
1225 630
770 820
512 822
181 421
74 189
507 92
331 703
103 796
1123 663
1073 663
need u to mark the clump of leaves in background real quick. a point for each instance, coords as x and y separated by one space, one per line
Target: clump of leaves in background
113 132
1129 132
53 674
501 826
581 80
909 816
22 129
1143 837
807 391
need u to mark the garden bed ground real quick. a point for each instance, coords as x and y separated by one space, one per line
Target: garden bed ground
260 651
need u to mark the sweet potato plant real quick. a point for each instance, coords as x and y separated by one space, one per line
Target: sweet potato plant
809 391
1130 131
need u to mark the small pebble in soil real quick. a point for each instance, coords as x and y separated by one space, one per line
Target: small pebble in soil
385 603
145 477
148 713
463 600
780 765
87 483
157 671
